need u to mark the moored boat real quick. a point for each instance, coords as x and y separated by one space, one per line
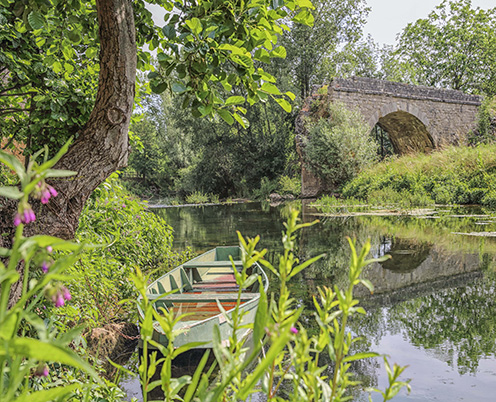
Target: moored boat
199 285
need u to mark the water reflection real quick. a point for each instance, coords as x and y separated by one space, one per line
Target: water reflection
433 306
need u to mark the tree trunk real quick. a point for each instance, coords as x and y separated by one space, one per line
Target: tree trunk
102 146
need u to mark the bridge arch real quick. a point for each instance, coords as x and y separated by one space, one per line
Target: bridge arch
406 126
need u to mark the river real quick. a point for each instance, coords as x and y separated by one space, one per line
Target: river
434 305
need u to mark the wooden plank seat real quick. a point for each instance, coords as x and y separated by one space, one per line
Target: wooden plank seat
202 297
212 264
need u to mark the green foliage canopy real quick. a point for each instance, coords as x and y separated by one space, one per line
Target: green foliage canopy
50 51
455 48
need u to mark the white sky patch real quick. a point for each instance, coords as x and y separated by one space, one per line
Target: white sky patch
388 17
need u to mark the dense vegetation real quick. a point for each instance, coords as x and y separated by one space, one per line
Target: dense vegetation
210 64
456 175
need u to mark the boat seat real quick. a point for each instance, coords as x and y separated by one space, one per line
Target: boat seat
212 264
203 298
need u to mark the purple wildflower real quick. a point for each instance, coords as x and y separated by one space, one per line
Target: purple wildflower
52 191
123 205
17 219
49 249
66 294
293 330
41 370
59 300
44 267
45 196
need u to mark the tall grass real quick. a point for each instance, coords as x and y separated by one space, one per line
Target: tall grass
455 175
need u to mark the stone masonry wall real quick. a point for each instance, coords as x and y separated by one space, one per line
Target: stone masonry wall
439 116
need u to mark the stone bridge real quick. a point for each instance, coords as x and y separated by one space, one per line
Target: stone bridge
416 118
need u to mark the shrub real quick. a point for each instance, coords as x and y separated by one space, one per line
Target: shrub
267 187
197 197
128 236
290 185
340 147
456 175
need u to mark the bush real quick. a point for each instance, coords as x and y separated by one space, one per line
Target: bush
197 197
267 187
340 147
456 175
290 185
129 236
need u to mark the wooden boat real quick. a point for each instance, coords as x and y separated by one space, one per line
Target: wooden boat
199 284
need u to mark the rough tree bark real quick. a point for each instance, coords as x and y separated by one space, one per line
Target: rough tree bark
102 146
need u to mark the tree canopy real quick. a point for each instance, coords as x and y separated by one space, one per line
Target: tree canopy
211 52
454 48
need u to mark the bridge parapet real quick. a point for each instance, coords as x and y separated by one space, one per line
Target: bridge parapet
372 86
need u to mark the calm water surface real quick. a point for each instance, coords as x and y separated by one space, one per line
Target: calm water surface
434 305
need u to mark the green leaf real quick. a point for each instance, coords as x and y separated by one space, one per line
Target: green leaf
74 36
270 88
241 120
91 52
59 173
45 351
304 17
305 264
51 394
57 67
260 317
169 31
226 116
190 392
235 100
36 20
262 55
305 3
360 356
284 104
13 163
279 52
290 95
11 192
179 87
8 326
195 25
159 87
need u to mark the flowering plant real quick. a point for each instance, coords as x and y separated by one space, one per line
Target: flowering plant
29 263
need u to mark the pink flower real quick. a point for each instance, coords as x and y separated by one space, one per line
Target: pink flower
66 294
52 191
41 370
49 249
17 219
45 196
44 267
293 330
59 300
27 216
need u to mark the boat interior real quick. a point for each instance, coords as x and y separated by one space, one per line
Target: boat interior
198 284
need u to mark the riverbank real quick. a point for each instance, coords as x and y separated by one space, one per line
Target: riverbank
455 175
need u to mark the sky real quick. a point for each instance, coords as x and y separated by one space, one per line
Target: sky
388 17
